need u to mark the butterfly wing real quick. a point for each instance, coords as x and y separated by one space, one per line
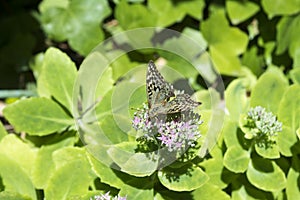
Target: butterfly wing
181 103
158 90
161 96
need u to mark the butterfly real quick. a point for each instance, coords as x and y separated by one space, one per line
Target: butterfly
162 98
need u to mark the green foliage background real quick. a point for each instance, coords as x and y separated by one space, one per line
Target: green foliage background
254 45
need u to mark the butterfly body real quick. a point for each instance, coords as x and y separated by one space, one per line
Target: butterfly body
161 96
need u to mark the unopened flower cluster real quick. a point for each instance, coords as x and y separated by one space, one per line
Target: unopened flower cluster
175 134
262 124
106 196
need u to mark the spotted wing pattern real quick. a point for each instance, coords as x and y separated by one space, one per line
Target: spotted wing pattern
161 95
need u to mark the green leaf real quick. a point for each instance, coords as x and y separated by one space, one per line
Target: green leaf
107 174
44 167
229 132
15 179
11 146
214 169
271 152
266 175
170 14
288 30
225 62
292 187
186 178
3 132
224 58
271 85
208 192
92 84
37 116
136 164
13 196
138 190
242 189
76 21
133 187
253 60
236 160
233 37
47 4
278 7
72 163
210 129
240 11
58 76
236 98
286 140
175 12
141 17
295 75
289 109
121 66
84 42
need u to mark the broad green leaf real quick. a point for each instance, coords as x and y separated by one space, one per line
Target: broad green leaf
93 82
121 66
130 162
266 175
236 98
229 132
220 36
138 190
58 76
240 11
47 4
209 98
225 62
170 14
271 85
11 146
44 165
287 38
107 174
186 178
37 116
210 129
13 196
289 109
295 75
75 21
230 37
65 155
278 7
208 192
242 189
133 187
3 132
175 12
253 60
36 64
292 187
236 160
214 169
14 177
104 81
111 126
71 163
84 42
286 140
141 17
271 152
